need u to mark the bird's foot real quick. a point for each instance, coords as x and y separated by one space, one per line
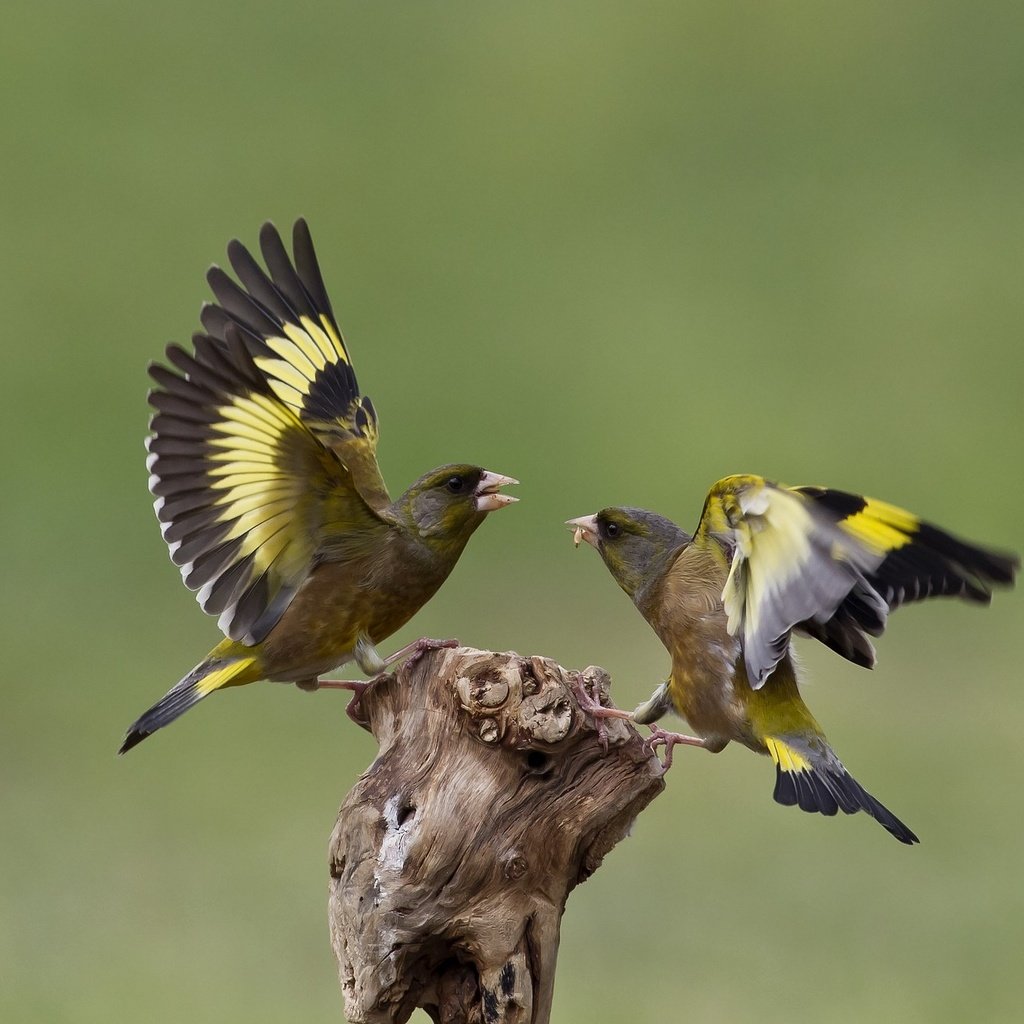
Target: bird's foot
661 738
356 686
414 651
354 709
592 706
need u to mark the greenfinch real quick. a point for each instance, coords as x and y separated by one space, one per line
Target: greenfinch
764 562
264 470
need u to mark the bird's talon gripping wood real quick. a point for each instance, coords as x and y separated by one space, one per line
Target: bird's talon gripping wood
414 651
591 705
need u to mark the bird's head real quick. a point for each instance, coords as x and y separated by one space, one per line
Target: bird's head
447 504
636 545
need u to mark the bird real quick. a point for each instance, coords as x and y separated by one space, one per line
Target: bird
263 467
765 562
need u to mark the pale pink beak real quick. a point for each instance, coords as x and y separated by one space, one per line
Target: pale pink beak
584 528
487 497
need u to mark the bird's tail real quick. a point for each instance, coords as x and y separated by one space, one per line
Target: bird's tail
816 781
207 676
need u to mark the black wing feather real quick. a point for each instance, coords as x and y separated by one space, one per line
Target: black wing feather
932 563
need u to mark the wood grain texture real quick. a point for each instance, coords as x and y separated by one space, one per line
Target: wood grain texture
491 799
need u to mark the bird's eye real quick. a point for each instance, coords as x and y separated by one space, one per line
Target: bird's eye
456 484
612 530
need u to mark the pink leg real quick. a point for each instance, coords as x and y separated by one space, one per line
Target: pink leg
660 738
343 684
592 706
417 649
353 709
413 652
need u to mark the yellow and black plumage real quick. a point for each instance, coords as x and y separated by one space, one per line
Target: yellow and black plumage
764 562
264 470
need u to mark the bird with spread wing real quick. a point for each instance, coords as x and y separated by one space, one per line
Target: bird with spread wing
264 470
767 561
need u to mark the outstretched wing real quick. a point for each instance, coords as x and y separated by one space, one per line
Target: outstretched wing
246 488
286 322
831 565
919 561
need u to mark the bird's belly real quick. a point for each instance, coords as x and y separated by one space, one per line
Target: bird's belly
326 618
299 656
706 692
721 708
299 673
711 708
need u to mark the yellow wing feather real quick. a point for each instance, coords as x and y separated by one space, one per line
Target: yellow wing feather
789 563
262 443
831 564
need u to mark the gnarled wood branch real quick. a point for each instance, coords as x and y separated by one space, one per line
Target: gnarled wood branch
492 797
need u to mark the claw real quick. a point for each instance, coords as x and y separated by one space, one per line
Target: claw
425 644
593 707
414 651
661 738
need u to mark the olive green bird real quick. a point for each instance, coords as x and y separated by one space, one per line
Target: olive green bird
767 561
264 469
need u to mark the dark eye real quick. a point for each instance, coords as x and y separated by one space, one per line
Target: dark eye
612 530
456 484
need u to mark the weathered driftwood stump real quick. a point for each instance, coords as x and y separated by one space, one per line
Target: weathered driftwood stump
491 799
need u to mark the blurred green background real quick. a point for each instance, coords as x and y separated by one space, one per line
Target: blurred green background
616 250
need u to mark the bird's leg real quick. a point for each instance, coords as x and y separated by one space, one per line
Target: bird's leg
355 685
374 665
592 706
661 738
353 709
369 660
417 649
659 704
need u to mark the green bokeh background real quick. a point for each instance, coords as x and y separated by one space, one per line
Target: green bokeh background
618 251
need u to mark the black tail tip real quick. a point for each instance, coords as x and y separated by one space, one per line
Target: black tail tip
133 739
889 821
826 791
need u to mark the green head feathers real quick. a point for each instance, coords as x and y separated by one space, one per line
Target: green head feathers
636 545
447 504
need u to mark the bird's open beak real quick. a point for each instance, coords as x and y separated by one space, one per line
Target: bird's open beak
487 491
584 528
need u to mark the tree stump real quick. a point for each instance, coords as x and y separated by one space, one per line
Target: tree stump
492 797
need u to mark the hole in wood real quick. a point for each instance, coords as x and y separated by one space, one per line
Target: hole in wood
537 762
